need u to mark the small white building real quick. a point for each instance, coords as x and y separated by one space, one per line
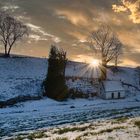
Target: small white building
112 90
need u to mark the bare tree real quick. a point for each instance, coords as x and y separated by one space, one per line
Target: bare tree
106 44
11 31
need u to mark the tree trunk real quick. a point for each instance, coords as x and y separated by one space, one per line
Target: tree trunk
5 47
103 70
8 54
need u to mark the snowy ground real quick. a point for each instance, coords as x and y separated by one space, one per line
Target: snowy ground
23 76
45 113
122 128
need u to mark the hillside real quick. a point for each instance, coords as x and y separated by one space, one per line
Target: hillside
23 76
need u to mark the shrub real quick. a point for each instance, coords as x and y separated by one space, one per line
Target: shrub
74 93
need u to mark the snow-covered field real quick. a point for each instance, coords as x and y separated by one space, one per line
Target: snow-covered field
123 128
23 76
45 113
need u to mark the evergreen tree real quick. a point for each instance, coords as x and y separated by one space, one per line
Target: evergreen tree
54 84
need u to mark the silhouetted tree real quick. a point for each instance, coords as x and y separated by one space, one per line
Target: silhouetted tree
106 44
11 31
54 84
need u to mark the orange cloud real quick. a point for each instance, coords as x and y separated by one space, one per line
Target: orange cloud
132 6
75 18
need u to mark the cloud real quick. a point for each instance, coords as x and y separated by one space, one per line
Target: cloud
68 24
36 37
10 8
76 18
38 34
129 6
118 8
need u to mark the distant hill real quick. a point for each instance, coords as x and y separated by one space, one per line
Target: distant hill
23 76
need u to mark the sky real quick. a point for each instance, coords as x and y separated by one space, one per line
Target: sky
68 24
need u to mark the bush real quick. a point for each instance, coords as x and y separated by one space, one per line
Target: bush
74 93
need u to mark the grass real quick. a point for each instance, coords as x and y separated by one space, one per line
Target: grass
61 138
108 130
137 123
65 130
31 136
110 138
19 138
39 134
122 119
78 138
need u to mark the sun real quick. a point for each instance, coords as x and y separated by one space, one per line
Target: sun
94 63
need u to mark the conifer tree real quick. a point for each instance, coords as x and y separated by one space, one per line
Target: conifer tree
54 84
